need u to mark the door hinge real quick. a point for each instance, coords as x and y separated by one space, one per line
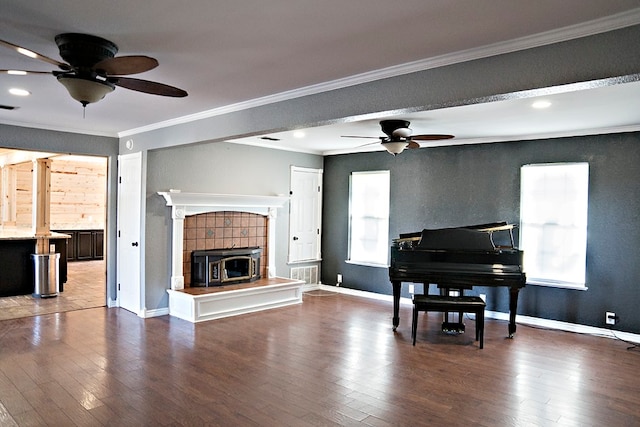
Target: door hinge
118 286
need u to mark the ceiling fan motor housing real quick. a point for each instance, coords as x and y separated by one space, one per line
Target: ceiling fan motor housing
390 126
84 50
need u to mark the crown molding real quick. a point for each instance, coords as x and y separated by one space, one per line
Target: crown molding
610 23
65 128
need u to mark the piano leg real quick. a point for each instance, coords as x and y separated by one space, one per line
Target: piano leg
513 307
396 303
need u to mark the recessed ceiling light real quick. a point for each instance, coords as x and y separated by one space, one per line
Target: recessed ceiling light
19 92
299 134
541 104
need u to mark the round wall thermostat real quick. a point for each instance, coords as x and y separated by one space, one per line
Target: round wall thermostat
129 144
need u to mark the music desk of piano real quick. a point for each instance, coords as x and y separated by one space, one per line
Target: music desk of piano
458 258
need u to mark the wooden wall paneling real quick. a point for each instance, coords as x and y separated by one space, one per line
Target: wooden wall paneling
78 194
8 195
24 183
77 198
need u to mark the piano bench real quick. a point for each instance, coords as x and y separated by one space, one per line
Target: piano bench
445 303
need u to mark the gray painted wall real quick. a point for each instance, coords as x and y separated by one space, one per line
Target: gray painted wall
463 185
73 143
212 168
599 56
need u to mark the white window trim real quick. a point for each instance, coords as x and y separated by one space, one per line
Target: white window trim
366 264
369 262
579 284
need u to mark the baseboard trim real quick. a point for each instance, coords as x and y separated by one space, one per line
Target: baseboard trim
154 313
524 320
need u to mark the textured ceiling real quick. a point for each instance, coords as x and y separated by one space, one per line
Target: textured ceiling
225 53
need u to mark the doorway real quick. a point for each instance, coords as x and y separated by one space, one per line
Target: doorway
77 208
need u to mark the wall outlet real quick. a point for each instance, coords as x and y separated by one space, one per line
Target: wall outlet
611 318
339 280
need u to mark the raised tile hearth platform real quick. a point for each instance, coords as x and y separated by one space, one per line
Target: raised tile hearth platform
200 304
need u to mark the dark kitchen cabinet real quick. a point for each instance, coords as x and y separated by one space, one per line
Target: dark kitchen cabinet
17 267
98 244
84 245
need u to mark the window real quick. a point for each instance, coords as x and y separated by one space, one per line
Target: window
369 218
553 227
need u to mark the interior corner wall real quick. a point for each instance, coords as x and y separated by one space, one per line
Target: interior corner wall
222 168
463 185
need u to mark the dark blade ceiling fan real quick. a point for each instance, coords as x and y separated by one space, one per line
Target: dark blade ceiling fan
92 69
398 136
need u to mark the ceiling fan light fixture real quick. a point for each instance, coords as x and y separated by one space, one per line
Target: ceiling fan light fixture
85 91
395 147
401 133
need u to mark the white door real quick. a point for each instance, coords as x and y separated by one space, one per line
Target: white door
129 205
305 214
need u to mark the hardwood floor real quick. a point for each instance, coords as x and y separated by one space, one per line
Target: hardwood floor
333 360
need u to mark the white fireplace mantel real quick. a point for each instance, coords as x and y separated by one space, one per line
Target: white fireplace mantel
194 203
184 204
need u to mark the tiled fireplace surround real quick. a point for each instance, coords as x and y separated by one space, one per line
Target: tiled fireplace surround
221 220
223 230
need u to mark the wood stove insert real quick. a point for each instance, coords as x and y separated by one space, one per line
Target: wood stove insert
217 267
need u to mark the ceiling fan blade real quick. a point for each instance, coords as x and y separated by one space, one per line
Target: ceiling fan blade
368 144
412 144
35 55
357 136
124 65
146 86
23 72
433 137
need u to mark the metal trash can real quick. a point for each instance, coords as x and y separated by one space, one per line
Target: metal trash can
46 277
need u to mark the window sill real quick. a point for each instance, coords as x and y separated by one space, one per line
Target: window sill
558 284
366 264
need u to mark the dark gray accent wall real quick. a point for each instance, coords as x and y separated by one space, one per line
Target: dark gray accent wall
463 185
211 168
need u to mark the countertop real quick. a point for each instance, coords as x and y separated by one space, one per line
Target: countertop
27 234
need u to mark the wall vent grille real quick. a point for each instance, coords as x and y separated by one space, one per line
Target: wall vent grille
308 274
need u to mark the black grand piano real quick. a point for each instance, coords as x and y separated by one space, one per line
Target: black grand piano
459 258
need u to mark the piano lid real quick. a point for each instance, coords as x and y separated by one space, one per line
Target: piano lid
480 237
